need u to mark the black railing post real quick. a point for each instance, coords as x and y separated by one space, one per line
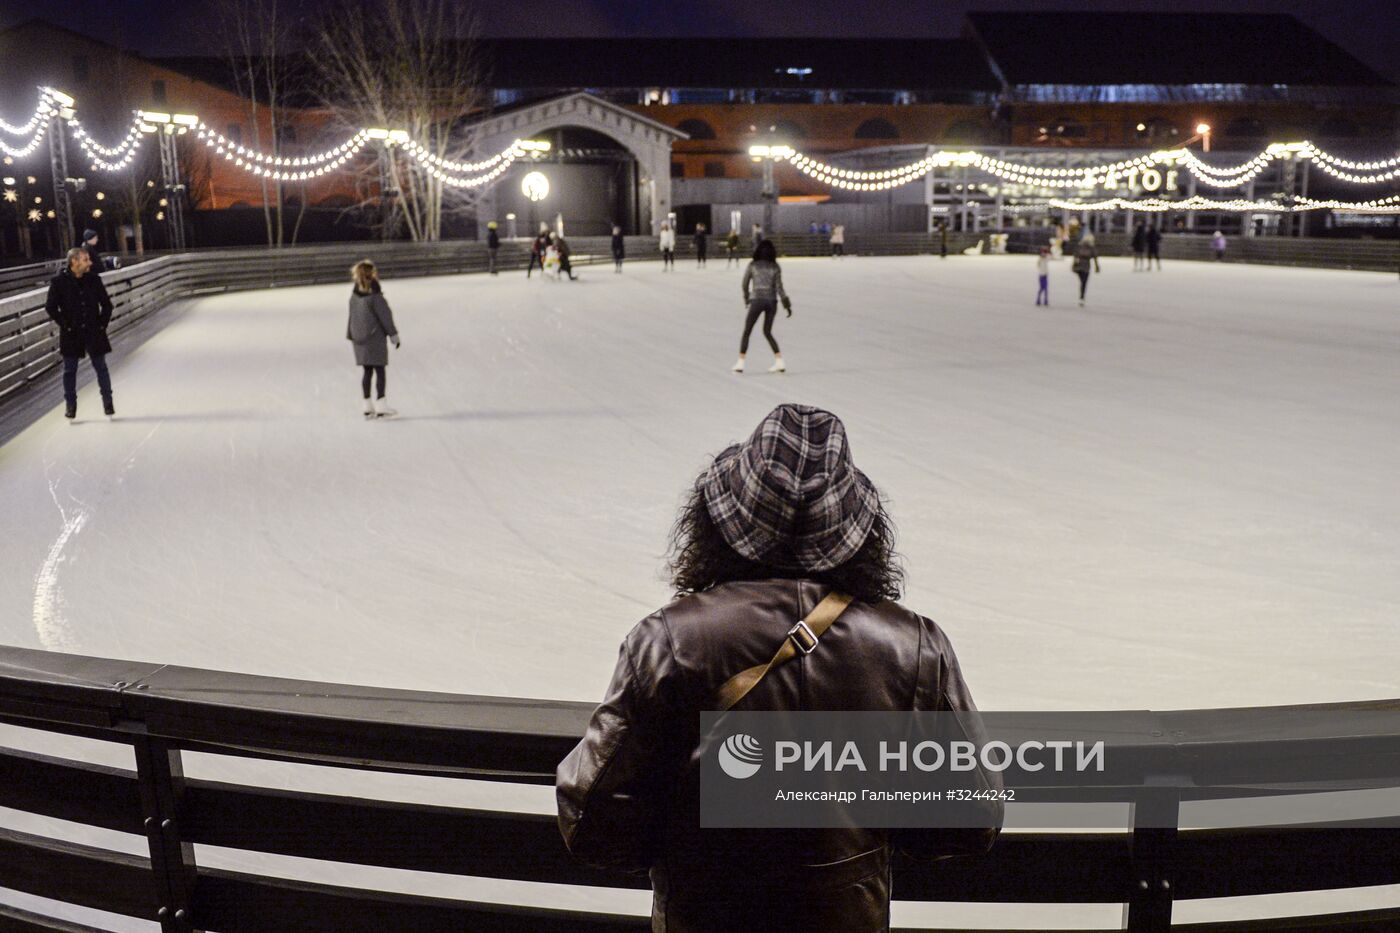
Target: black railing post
161 777
1156 814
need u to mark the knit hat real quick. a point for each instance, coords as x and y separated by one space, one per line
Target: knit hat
790 496
89 233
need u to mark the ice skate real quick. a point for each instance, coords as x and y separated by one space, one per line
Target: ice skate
777 366
738 367
384 410
109 409
369 409
71 412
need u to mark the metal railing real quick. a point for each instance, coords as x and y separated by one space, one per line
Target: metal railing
29 340
162 711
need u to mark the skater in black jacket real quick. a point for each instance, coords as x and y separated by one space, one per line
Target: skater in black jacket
619 248
79 305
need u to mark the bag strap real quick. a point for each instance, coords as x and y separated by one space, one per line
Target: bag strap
802 638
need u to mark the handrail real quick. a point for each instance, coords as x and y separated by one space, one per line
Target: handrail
164 710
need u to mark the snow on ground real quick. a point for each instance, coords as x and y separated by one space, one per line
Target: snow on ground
1181 495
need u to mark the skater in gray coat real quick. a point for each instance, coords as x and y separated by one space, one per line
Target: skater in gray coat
371 325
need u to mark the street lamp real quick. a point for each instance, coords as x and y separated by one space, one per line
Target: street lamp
1203 134
768 154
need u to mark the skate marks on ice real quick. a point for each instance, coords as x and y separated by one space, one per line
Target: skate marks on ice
51 623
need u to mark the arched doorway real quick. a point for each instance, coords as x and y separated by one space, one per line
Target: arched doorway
588 139
588 177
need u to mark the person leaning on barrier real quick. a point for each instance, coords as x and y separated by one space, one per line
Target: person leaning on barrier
79 305
773 528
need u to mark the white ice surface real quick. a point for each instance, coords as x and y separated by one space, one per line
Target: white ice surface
1183 495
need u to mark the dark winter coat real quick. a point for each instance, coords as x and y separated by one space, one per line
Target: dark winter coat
1154 240
629 793
1085 257
492 240
1139 239
371 324
701 240
81 309
540 244
619 247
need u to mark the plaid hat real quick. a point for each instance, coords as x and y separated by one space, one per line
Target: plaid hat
790 495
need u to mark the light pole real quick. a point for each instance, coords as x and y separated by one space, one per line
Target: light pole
58 165
166 127
768 155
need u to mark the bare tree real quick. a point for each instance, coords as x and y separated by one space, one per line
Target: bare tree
411 65
262 71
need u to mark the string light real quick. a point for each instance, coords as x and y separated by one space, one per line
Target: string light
1142 169
1108 174
42 111
38 124
1389 205
106 159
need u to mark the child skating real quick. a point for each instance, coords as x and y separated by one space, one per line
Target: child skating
370 327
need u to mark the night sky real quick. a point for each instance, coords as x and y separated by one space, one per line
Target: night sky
1369 29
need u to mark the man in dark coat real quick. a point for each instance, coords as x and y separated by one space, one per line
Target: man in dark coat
79 305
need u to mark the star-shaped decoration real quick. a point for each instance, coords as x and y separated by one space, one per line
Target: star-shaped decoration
11 195
35 216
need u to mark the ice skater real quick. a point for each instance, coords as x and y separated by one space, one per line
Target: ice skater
766 279
619 248
1085 256
493 246
838 241
702 241
79 305
731 248
1154 248
537 248
667 243
565 266
551 257
370 328
1217 243
1139 245
1042 268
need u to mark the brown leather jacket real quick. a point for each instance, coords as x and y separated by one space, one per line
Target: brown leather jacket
628 794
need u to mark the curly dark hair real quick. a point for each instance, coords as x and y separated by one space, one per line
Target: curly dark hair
700 558
765 251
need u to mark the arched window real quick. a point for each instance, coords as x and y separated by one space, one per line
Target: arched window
1338 126
965 132
877 128
1245 127
696 129
1156 130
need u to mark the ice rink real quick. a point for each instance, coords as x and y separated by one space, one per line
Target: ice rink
1181 495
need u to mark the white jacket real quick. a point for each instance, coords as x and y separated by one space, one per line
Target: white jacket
668 239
